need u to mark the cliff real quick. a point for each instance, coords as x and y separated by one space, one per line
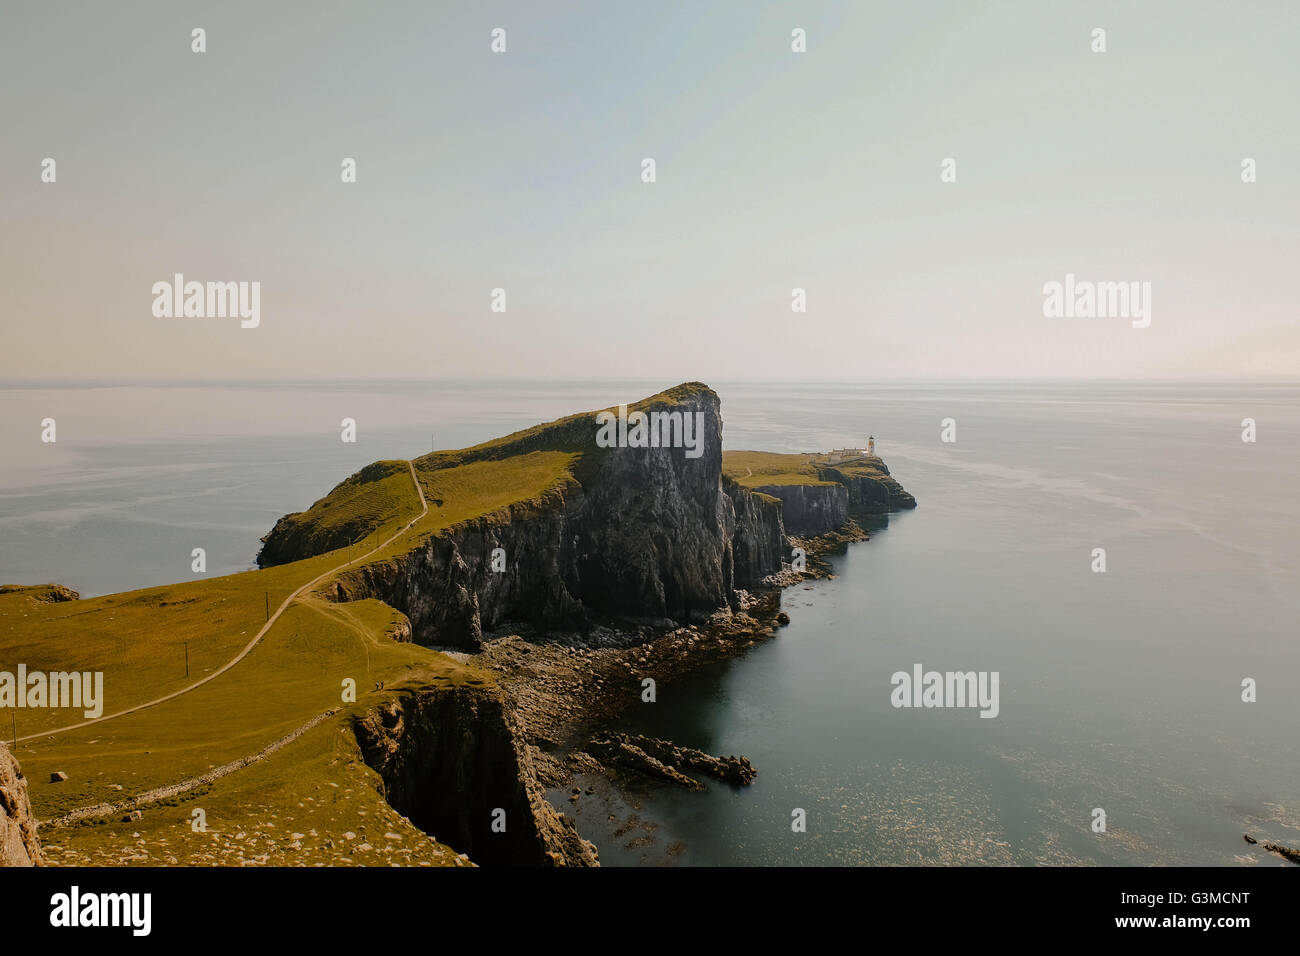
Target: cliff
812 509
455 763
634 533
555 528
871 488
758 544
818 497
18 843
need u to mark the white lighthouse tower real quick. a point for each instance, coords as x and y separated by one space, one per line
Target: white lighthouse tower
871 444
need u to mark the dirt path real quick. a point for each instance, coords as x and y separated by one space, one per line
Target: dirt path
270 622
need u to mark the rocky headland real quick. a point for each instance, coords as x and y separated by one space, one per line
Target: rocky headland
553 578
633 566
819 496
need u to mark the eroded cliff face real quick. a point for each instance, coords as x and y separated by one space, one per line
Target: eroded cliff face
811 510
646 534
875 492
758 544
448 590
651 536
18 843
453 761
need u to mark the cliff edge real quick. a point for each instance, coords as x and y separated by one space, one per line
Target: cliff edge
817 496
560 526
18 843
627 514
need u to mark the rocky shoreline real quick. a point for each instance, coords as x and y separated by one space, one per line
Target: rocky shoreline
1287 853
584 580
564 690
664 760
632 567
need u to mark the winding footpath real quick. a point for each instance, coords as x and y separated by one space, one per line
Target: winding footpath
270 622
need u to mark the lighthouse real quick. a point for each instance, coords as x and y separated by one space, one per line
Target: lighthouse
871 444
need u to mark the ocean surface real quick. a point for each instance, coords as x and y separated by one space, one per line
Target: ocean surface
1119 691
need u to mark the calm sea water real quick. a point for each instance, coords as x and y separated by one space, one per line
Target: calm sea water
1119 691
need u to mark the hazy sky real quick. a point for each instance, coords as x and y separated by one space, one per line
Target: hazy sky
775 170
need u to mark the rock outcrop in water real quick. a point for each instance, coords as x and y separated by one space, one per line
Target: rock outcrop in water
665 760
18 843
1285 852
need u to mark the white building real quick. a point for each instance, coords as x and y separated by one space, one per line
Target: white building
838 455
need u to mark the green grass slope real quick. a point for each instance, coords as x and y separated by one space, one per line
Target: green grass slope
756 469
316 786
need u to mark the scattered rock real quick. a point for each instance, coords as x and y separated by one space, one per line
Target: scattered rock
1285 852
665 760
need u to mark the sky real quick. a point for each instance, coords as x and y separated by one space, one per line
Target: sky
775 170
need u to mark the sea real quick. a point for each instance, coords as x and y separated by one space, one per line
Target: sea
1148 713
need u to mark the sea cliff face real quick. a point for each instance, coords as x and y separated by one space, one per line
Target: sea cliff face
811 509
455 763
871 491
18 843
641 534
630 534
758 543
448 591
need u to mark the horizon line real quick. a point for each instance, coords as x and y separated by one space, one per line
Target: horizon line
18 382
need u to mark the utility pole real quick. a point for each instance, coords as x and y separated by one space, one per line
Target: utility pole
268 605
187 658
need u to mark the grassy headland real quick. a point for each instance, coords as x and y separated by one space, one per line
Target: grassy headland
316 786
